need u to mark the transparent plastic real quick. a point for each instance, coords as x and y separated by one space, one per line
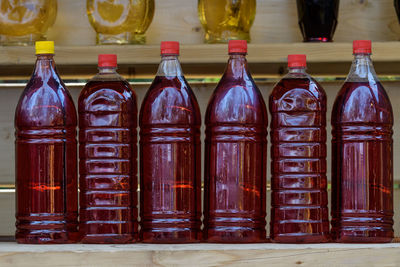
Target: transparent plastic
170 163
299 200
120 21
108 159
46 159
225 20
23 22
235 158
362 158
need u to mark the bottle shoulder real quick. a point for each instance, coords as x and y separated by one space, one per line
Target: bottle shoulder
170 100
362 102
297 94
44 103
238 101
107 95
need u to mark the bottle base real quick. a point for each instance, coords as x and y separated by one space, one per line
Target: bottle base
170 237
362 237
108 239
125 38
47 238
25 40
225 36
296 238
235 236
317 40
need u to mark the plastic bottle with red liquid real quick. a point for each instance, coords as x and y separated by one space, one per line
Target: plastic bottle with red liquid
235 156
170 164
318 19
108 157
362 155
46 157
299 200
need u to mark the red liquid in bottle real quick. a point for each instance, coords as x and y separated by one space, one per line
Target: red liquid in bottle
299 201
170 164
235 156
108 157
45 159
362 157
317 19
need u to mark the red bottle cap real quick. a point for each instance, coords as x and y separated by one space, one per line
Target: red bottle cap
237 46
297 61
169 48
108 60
362 47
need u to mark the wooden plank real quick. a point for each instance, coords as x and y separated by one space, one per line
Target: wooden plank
202 54
12 254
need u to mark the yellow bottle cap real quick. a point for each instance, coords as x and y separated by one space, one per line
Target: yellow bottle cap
44 47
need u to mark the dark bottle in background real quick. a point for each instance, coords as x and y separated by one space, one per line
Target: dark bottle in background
170 156
46 157
235 156
362 155
299 200
108 157
317 19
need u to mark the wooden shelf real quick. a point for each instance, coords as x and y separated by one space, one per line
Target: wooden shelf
203 60
12 254
203 53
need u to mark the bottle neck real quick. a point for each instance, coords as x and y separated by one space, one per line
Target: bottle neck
361 69
169 66
237 65
107 70
45 65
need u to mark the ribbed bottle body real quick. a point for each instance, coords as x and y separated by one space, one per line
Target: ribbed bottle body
46 160
108 162
170 165
362 164
235 159
299 201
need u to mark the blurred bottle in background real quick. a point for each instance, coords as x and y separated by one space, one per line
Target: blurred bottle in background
22 22
224 20
120 21
318 19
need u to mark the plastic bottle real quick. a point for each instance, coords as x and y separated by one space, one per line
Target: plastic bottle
299 201
362 155
170 164
108 157
45 157
235 156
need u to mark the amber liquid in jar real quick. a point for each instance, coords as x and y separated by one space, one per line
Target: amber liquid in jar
46 159
224 20
120 21
22 22
299 200
108 159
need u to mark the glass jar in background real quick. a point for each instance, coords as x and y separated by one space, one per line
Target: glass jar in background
23 22
120 21
224 20
318 19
